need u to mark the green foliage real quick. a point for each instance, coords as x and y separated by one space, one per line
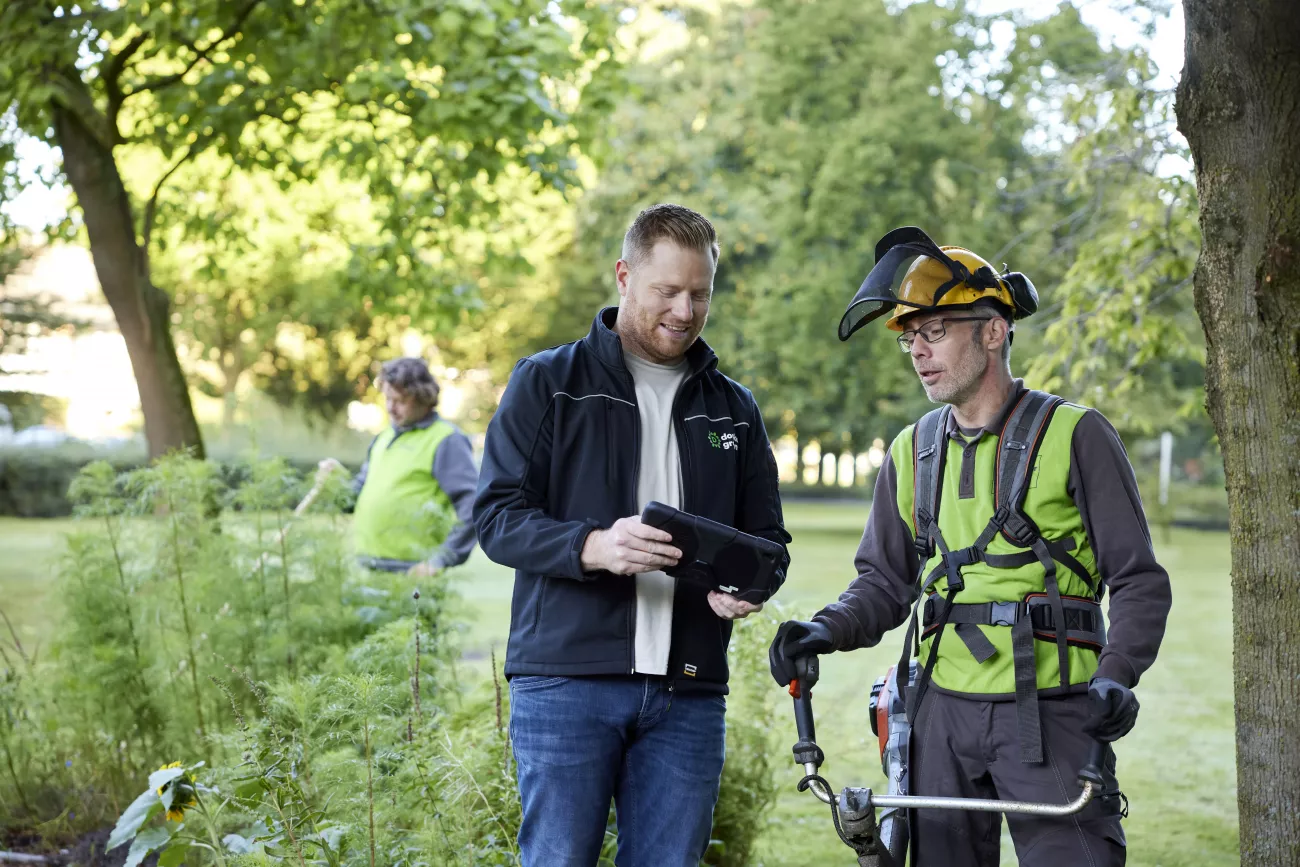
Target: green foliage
1049 158
34 482
312 714
1124 336
161 591
749 777
415 109
419 99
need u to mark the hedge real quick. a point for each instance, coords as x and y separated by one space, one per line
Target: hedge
34 481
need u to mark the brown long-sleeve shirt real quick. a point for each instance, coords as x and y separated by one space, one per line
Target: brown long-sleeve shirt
1103 487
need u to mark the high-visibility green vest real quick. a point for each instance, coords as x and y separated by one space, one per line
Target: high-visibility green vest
1049 504
402 513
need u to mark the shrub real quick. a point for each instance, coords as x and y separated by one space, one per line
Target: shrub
282 705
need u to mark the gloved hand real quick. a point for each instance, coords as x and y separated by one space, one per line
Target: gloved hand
796 638
1113 710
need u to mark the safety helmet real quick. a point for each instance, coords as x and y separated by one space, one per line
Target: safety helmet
934 277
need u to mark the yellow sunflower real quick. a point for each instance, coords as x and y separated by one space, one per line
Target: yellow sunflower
182 794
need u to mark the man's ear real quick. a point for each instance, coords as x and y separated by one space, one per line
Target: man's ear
998 327
622 273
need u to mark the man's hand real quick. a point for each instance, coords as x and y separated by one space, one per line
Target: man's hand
424 570
1113 708
628 548
728 607
796 638
326 467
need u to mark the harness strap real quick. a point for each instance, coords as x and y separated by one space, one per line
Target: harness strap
1084 624
1058 610
1060 550
1028 727
1018 446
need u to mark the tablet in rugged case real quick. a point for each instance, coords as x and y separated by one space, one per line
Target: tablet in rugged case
716 556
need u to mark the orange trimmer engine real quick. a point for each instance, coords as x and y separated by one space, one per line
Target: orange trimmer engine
889 723
882 695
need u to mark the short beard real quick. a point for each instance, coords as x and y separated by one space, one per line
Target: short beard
963 380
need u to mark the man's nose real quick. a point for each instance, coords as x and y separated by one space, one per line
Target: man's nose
682 307
920 349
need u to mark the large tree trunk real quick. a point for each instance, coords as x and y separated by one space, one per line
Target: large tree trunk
1239 106
142 311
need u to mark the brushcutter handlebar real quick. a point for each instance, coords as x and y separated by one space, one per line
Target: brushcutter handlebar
810 756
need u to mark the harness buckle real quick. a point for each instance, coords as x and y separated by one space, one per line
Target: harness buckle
1020 530
1003 613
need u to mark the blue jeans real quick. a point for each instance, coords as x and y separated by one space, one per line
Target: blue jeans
579 742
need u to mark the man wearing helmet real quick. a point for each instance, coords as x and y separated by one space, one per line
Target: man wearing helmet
997 518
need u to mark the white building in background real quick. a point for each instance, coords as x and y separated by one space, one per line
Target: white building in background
89 370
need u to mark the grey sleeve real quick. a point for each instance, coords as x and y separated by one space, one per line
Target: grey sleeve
881 596
456 474
359 480
1105 490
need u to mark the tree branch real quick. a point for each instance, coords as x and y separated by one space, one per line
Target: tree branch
201 54
69 92
151 207
112 72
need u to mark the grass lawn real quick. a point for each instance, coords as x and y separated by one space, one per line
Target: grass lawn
1176 767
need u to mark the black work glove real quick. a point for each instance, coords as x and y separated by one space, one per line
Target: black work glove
1113 708
796 638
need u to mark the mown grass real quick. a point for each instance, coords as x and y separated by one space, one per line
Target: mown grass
1177 767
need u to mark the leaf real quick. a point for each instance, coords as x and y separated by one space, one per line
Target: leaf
144 843
174 856
158 779
141 809
237 844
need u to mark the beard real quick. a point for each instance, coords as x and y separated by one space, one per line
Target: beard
961 380
639 329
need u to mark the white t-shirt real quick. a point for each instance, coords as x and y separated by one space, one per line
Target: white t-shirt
659 478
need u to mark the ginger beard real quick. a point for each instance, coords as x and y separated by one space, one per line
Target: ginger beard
665 301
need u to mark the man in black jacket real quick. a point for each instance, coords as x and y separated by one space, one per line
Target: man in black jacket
617 673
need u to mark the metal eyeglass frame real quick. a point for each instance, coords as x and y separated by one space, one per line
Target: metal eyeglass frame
905 344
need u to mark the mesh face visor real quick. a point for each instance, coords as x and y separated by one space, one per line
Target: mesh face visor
876 296
895 253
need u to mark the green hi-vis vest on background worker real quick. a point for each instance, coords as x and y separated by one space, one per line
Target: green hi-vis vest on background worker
402 513
1049 504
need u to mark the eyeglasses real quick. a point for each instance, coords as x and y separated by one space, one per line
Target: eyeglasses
933 332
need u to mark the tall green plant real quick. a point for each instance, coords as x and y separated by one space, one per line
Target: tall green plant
749 783
179 493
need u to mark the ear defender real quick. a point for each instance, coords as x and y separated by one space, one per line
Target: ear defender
1023 294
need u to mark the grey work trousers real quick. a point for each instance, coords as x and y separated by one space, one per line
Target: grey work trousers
968 748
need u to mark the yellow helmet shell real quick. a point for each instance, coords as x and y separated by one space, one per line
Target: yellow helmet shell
917 290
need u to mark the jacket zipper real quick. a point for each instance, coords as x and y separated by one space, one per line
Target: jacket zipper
636 455
684 459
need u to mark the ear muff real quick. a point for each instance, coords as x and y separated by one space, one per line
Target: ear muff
1023 294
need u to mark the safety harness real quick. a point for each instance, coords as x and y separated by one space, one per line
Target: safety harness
1047 616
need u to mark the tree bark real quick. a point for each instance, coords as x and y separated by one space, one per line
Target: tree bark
1239 106
142 311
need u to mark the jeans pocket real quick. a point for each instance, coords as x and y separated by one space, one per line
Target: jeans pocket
531 682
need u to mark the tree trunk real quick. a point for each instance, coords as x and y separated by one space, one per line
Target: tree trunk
143 313
231 370
1239 106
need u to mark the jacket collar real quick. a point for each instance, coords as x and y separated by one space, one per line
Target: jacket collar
993 428
423 423
606 343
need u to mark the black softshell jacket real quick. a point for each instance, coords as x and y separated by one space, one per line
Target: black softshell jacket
562 458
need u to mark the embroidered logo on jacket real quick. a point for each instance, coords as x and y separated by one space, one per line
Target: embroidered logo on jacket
689 670
723 441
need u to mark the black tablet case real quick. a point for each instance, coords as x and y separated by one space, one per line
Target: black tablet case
716 556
